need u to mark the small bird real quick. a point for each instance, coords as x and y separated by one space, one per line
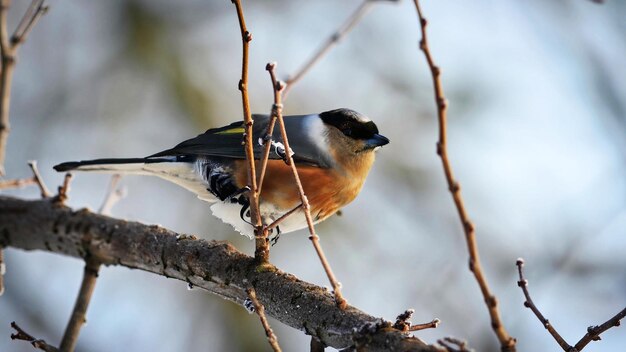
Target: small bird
333 152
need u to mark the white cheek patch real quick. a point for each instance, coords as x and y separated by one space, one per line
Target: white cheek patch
317 132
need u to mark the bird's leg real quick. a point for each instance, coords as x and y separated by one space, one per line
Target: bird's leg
233 197
274 238
245 212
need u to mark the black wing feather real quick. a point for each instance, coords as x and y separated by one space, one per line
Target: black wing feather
227 142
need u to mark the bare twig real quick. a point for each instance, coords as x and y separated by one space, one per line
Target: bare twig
79 313
32 15
593 332
260 311
262 249
17 183
64 189
23 335
268 136
283 217
430 325
523 284
507 343
403 322
332 41
90 275
452 344
341 302
112 196
45 193
8 52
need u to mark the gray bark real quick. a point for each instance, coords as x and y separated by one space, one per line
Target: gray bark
214 266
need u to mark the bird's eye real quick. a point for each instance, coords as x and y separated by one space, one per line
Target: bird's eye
347 131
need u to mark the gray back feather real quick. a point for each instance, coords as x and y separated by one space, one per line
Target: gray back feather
227 142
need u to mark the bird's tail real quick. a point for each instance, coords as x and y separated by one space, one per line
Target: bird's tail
122 166
179 170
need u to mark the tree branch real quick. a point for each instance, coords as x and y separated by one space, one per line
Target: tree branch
45 193
593 332
507 343
260 311
8 52
214 266
262 249
332 41
37 343
17 183
315 240
79 313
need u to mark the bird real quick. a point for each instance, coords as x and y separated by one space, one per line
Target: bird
333 152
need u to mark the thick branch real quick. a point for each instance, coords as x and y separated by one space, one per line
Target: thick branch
214 266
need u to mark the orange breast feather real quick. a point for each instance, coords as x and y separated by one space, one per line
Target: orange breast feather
326 189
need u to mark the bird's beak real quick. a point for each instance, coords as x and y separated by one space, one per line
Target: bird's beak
376 141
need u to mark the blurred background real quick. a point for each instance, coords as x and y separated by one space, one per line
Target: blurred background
537 138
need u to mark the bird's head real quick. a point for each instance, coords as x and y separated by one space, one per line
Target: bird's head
352 138
352 132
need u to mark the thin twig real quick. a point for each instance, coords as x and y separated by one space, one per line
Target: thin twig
341 302
35 11
79 313
64 189
332 41
268 136
593 332
452 344
17 183
45 193
283 217
260 311
8 52
6 75
112 196
403 322
507 343
523 284
23 335
430 325
262 249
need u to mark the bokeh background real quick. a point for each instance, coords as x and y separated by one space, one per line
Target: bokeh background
537 138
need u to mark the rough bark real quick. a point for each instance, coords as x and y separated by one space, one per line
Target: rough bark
214 266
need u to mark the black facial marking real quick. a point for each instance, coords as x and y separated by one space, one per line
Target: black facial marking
350 123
